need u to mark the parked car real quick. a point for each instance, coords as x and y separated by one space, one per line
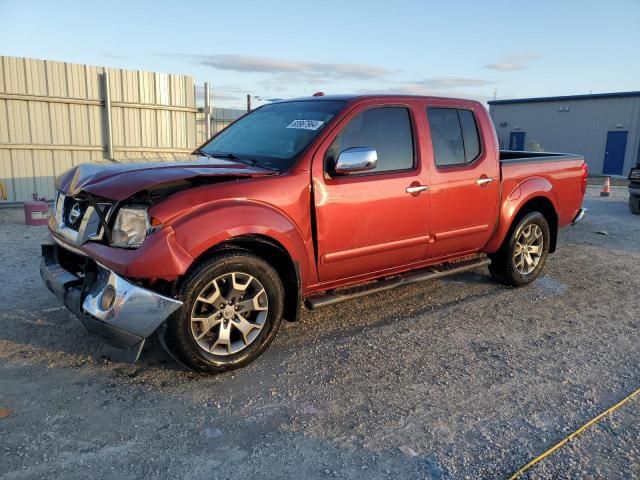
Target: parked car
634 189
310 201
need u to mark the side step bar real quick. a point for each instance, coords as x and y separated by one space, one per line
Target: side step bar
337 296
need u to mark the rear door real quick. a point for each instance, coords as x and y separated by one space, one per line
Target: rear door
516 141
369 222
614 153
465 178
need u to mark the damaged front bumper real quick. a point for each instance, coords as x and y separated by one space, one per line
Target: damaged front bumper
122 313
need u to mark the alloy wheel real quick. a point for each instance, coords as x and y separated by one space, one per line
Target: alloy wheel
529 248
229 313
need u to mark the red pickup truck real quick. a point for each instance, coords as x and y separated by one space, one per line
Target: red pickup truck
310 201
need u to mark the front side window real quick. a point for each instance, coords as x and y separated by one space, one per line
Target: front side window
454 135
271 136
385 129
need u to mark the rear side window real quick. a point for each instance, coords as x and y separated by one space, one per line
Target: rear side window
387 129
469 135
454 134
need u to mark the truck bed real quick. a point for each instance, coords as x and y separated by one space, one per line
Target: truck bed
558 173
510 157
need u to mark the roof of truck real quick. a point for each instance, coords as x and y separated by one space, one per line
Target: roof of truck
352 96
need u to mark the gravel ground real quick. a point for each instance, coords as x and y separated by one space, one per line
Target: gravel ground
457 378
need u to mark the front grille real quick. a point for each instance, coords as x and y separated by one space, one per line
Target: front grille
77 220
73 211
635 174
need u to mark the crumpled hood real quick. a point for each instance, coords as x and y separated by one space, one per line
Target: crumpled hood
119 181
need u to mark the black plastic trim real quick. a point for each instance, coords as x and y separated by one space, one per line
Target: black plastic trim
520 158
438 271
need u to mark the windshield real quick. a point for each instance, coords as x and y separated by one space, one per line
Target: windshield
271 136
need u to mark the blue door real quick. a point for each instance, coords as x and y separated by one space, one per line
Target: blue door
614 153
516 141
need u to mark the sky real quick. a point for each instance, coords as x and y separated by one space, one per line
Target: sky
281 49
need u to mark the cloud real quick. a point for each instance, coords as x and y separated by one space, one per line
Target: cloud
444 83
433 86
505 66
440 86
219 93
254 64
513 62
414 89
284 78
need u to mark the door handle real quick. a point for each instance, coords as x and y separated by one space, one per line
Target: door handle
417 189
484 181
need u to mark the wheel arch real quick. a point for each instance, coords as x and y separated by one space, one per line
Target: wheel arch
545 207
256 227
534 194
272 252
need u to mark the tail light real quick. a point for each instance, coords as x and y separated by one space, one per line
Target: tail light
585 174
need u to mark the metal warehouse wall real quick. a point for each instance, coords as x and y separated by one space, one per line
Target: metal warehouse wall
55 115
582 129
220 118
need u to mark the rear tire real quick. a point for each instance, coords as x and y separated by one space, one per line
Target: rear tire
523 253
232 310
634 205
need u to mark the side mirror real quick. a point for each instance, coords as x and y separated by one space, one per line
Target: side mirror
356 159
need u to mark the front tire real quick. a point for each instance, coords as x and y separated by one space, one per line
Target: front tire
634 205
524 252
232 310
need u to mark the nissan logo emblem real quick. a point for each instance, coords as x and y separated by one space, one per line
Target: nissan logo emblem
74 214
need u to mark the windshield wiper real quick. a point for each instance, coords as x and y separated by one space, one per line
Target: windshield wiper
252 162
229 156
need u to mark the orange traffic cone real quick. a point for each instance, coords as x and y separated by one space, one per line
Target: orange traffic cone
606 188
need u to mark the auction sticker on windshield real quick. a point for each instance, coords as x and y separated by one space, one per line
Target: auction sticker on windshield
306 124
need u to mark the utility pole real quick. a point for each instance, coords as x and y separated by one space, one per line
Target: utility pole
107 113
248 102
207 111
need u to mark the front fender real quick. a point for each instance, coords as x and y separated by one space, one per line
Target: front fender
512 203
212 224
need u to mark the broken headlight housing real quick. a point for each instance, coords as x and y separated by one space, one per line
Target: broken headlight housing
130 228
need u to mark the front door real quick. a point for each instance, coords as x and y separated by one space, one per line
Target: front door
368 222
516 141
614 153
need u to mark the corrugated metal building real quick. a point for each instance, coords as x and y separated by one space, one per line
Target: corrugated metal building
55 115
603 127
220 118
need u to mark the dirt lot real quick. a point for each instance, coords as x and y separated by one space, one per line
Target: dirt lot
458 378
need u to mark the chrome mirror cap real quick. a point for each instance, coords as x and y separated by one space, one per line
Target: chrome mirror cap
356 159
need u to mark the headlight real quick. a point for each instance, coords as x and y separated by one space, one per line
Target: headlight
130 228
